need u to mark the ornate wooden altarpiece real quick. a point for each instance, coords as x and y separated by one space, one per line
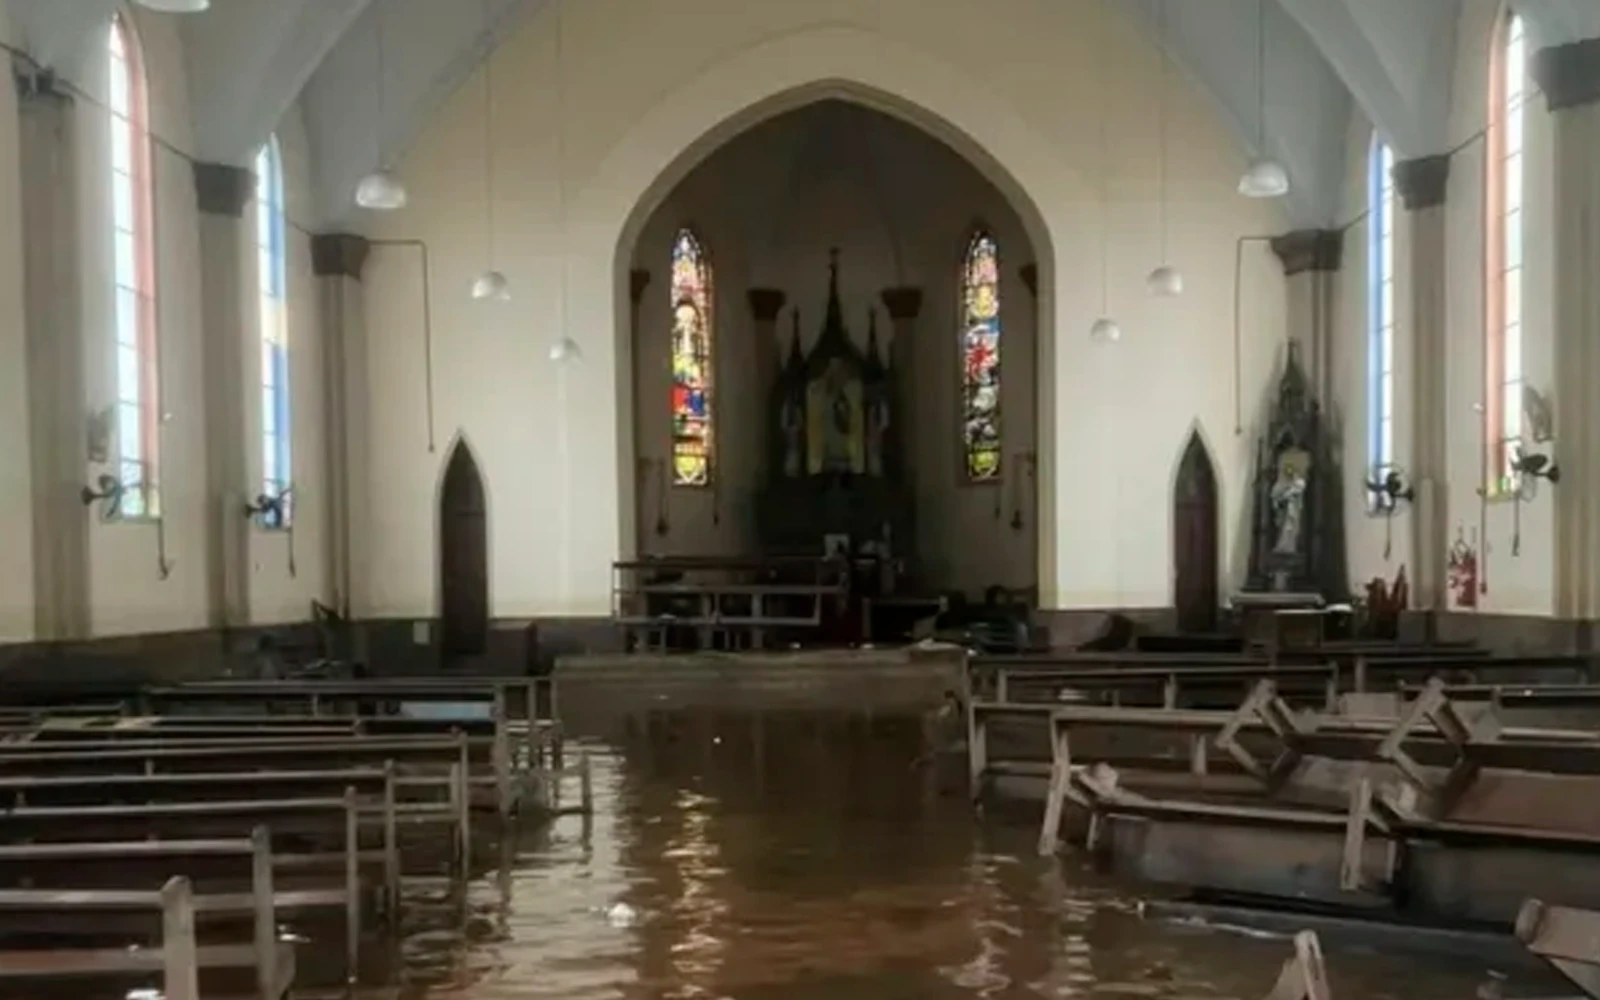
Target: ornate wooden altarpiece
834 469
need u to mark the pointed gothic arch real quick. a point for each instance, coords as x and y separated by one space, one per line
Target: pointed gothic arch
1195 545
463 556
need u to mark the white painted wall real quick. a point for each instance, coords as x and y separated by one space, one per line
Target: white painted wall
126 591
899 205
585 154
276 594
16 501
1517 584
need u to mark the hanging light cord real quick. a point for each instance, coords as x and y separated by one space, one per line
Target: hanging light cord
377 41
488 127
1261 77
1166 66
1105 199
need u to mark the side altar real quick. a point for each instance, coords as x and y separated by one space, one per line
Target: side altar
835 475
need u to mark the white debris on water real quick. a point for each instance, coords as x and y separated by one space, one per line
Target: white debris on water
622 915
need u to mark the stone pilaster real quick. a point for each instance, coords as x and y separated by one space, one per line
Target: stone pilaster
57 397
1422 185
765 304
1311 258
1569 75
221 192
338 260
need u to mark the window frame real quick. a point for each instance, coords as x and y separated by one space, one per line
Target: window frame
131 111
1504 281
276 379
1382 318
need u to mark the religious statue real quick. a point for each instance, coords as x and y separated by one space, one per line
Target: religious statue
833 402
1288 501
1292 538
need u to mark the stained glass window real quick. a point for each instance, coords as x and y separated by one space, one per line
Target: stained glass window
693 363
1503 277
980 358
273 271
132 277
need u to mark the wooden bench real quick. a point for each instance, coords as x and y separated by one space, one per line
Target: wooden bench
1567 938
1386 673
1179 685
178 959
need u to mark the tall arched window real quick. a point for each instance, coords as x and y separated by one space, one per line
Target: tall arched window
980 358
1380 312
693 362
133 277
1503 246
273 270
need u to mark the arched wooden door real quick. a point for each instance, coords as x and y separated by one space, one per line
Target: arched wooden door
1194 539
463 558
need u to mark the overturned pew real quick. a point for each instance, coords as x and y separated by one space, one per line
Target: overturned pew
1565 937
1445 817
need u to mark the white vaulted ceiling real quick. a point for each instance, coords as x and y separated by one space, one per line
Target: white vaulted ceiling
250 60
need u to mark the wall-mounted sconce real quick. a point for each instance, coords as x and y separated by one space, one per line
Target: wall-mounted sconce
1388 492
107 491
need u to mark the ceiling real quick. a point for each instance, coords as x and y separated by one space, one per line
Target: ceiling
250 60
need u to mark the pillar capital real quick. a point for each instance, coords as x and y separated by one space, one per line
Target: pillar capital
1569 74
38 85
765 304
1030 277
1422 182
339 255
903 303
1309 250
638 281
223 190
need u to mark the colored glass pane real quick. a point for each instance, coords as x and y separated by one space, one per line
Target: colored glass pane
693 413
980 359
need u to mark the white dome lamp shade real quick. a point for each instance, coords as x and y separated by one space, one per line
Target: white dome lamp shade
176 6
491 286
1264 178
1165 281
381 191
565 350
1105 331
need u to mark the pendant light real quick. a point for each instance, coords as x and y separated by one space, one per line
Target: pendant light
564 350
491 285
1264 177
1165 280
381 190
1105 329
176 6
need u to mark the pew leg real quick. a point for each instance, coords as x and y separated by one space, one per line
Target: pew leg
352 886
179 954
1056 797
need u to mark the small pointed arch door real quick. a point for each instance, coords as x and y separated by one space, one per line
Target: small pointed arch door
1194 538
463 557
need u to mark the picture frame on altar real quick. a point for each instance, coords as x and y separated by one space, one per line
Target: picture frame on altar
836 546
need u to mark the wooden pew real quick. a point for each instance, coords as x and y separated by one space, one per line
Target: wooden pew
1387 673
1567 938
1179 685
420 761
178 959
1477 812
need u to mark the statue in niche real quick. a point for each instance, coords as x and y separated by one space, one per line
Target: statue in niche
1290 535
833 402
1288 500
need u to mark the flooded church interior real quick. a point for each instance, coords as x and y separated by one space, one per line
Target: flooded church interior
799 498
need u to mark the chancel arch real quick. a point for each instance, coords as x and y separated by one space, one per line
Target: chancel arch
848 355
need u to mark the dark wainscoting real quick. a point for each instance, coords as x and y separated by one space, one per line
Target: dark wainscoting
391 647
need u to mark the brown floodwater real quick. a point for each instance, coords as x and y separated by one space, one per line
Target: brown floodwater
792 856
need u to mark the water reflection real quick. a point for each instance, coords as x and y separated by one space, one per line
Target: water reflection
802 856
